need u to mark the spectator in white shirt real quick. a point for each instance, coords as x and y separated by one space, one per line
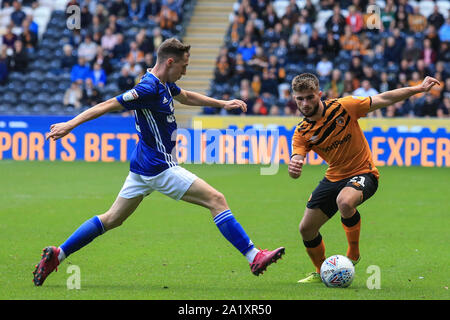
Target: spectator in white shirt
324 67
87 49
109 40
365 90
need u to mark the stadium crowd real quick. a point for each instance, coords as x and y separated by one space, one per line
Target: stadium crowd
354 52
108 54
264 49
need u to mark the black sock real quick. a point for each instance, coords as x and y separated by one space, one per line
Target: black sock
353 220
314 242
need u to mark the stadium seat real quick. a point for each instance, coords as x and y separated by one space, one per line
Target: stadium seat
63 85
56 98
32 86
49 87
14 86
52 34
65 77
56 109
26 97
45 54
10 97
68 110
6 108
38 108
21 108
42 98
15 76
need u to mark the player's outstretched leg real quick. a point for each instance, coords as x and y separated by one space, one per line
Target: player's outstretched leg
203 194
88 231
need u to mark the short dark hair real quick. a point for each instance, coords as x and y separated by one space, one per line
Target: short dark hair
172 48
305 81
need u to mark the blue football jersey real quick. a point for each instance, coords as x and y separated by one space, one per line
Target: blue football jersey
152 103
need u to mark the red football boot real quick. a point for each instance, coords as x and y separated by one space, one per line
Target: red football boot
264 258
48 263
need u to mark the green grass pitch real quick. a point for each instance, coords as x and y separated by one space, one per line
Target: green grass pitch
172 250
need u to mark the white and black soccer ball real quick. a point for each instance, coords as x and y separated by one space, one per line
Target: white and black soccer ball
337 272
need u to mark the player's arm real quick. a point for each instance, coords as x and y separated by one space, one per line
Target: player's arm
299 151
295 166
59 130
388 98
191 98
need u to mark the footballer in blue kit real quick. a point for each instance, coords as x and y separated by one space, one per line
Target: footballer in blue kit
153 165
152 103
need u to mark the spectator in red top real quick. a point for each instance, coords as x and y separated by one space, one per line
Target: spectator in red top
428 54
354 19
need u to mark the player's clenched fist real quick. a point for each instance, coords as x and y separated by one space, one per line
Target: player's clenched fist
295 166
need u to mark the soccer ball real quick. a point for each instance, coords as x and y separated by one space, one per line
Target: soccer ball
337 271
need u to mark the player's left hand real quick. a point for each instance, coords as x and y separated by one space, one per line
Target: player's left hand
428 83
235 104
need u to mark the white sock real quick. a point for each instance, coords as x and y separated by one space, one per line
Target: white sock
61 255
251 255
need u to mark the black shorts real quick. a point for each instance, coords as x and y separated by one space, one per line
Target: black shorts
325 195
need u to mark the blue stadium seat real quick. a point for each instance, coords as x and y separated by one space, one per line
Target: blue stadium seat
26 97
5 108
59 14
45 54
32 86
63 85
38 108
50 87
14 86
57 98
46 43
44 65
111 86
35 75
21 108
43 98
65 76
55 67
52 34
13 76
56 109
68 110
32 56
124 23
10 97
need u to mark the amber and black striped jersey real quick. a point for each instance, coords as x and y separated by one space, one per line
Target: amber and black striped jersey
337 138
